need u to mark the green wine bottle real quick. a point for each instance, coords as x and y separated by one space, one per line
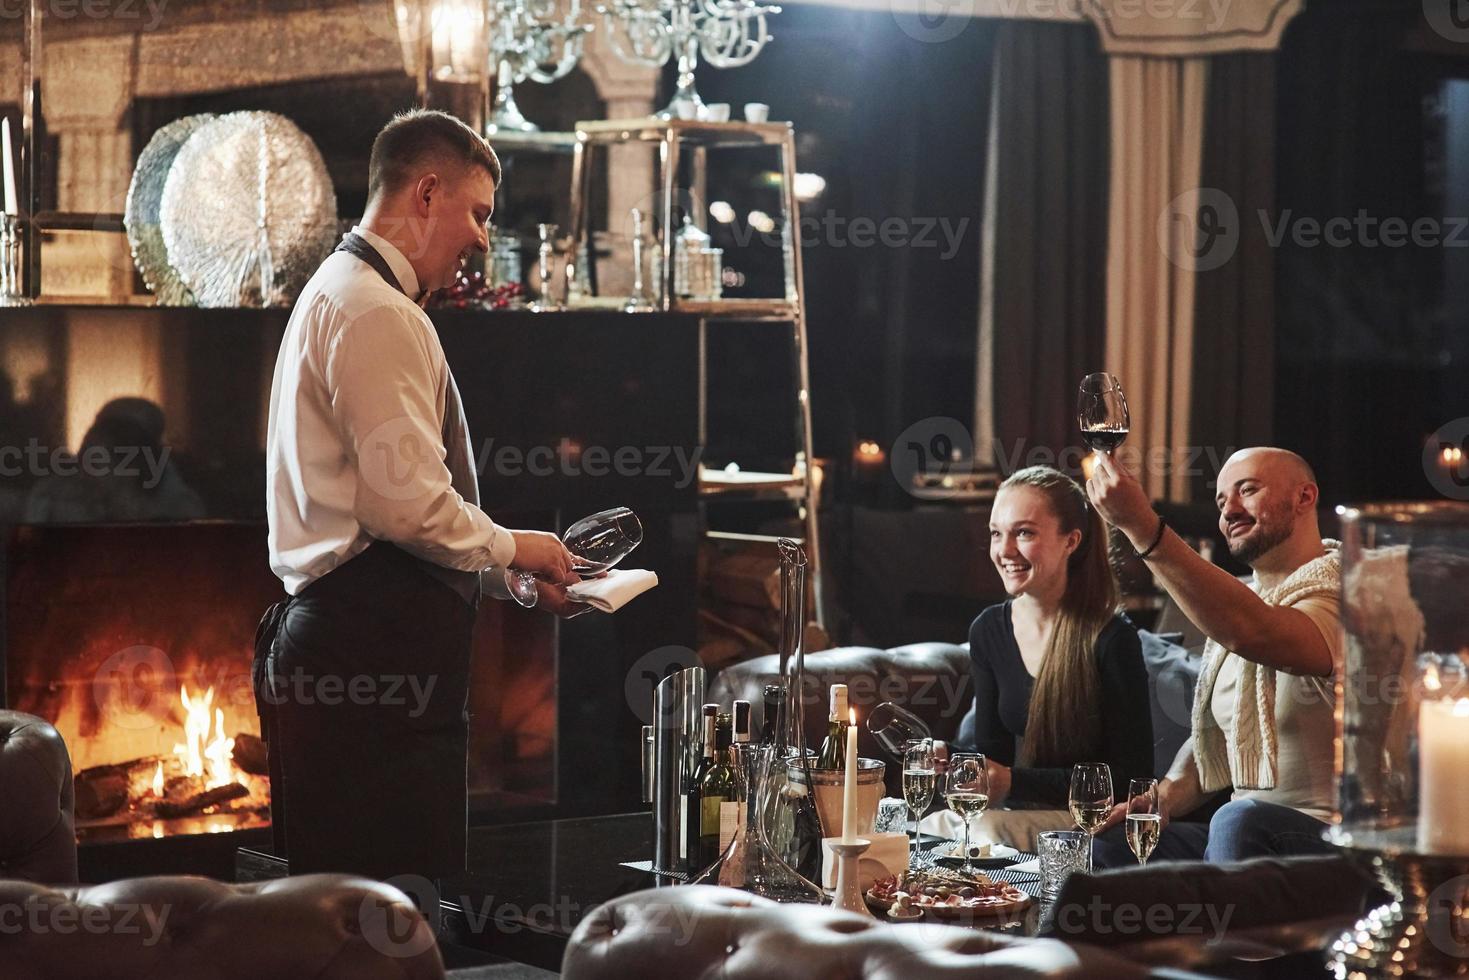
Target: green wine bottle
833 754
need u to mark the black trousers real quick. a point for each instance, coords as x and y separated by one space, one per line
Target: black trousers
362 694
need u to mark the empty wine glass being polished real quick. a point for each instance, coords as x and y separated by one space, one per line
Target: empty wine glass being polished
894 726
596 543
1101 412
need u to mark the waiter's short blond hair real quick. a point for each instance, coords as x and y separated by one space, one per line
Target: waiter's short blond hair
419 140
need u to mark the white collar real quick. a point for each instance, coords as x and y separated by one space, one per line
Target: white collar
396 260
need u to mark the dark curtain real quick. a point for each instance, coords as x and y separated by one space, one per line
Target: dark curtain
1367 364
1233 402
1050 230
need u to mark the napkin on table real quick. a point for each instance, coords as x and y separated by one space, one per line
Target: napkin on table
614 590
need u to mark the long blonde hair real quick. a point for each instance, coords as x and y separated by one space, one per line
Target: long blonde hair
1065 702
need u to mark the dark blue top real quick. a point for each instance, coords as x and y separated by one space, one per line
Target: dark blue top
1002 689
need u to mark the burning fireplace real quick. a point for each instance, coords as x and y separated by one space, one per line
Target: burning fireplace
136 641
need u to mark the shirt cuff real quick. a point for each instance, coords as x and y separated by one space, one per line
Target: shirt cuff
502 548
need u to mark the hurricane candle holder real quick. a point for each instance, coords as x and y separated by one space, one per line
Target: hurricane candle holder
1402 708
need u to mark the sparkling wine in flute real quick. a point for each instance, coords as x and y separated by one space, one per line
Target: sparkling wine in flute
967 804
1090 816
1143 830
918 788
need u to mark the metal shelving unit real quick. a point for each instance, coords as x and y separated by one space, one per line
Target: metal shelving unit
676 138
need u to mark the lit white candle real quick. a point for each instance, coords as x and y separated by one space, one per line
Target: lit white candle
849 790
1443 789
12 205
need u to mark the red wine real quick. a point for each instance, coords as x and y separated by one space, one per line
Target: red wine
1103 440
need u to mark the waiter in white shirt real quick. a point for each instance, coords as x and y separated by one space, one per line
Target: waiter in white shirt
375 529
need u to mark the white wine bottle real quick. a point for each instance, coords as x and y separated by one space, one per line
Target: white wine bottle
833 754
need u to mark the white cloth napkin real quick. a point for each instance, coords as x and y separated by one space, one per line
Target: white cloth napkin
617 589
1030 867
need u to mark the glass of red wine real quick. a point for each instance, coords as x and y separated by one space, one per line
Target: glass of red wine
1101 411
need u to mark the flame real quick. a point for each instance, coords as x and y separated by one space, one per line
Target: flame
158 780
198 747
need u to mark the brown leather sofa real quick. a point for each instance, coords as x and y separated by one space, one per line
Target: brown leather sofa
702 931
328 927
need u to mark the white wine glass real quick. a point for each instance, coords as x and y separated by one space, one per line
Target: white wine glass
919 776
967 792
596 544
1101 412
1090 799
895 727
1144 820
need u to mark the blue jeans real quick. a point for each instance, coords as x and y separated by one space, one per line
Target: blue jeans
1240 829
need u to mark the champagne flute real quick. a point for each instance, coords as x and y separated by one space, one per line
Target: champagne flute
1144 820
596 544
1101 412
895 728
1090 799
967 792
919 776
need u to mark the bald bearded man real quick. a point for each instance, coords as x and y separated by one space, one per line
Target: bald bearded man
1263 709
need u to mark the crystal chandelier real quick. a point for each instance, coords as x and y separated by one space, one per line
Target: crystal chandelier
729 33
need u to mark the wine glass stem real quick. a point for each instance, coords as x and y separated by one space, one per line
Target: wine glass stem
1089 838
913 851
968 866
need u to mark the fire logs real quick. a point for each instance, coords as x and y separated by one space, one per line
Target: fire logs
185 802
101 791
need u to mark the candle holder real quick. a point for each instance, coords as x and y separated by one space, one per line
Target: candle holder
1402 711
848 892
12 262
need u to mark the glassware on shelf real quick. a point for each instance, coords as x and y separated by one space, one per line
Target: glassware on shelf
596 543
545 301
638 301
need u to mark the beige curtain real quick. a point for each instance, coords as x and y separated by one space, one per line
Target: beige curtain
1157 141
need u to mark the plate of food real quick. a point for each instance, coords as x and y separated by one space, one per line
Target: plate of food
944 896
982 855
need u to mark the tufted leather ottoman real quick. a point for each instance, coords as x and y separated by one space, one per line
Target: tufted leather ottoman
703 931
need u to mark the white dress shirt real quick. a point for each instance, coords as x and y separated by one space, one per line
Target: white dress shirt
355 450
